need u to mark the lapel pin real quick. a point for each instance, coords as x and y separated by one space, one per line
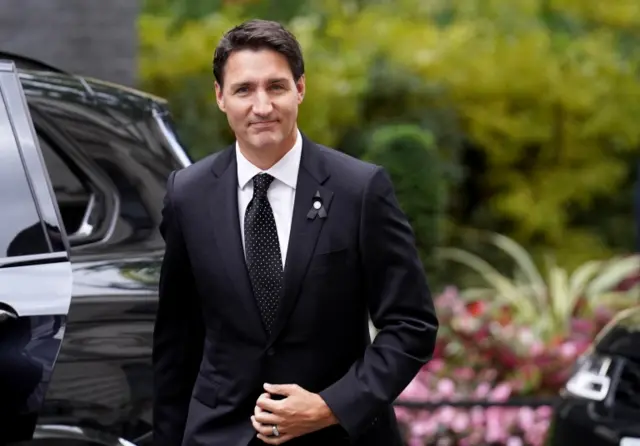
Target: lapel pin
317 209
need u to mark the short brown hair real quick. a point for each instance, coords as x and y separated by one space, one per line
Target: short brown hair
258 34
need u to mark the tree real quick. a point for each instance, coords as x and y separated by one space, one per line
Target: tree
542 95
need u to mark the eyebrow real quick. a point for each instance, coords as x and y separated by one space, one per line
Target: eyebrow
270 81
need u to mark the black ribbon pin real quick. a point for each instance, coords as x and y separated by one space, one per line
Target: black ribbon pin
317 209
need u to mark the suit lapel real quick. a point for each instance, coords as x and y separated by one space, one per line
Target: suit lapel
304 230
223 209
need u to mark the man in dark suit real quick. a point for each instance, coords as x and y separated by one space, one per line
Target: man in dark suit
277 250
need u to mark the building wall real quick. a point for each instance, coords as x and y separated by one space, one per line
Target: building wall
90 37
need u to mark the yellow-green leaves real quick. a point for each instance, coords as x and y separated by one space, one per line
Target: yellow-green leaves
547 299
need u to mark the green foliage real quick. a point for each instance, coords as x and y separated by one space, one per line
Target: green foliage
547 301
411 158
541 96
184 10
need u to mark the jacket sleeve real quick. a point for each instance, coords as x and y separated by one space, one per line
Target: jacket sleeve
178 335
401 308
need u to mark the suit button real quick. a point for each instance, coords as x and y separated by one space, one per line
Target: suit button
271 352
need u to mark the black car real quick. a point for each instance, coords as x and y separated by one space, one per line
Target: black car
601 402
83 166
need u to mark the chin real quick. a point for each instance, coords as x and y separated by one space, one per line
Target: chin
266 139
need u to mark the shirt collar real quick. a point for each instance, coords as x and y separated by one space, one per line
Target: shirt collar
285 170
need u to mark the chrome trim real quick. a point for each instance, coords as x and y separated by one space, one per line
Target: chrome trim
37 288
176 148
7 65
63 432
591 384
6 315
85 229
34 258
29 150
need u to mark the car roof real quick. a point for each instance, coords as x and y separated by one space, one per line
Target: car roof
41 79
75 88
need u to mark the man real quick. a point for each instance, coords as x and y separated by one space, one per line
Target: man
276 250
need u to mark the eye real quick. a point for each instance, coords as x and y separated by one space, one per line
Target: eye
242 90
277 87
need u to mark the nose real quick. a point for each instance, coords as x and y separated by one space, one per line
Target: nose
262 105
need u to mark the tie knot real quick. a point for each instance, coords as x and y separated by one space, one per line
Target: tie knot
261 183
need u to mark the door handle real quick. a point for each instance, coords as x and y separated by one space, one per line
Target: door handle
6 315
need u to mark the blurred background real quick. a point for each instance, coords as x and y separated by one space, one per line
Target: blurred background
511 131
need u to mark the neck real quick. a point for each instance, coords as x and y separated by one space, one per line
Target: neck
265 157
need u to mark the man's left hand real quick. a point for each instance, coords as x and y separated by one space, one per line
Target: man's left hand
299 413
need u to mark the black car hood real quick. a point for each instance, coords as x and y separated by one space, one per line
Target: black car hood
622 335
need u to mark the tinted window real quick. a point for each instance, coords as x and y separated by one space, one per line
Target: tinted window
21 232
118 147
71 192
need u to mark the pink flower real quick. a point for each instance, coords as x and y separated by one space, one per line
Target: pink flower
536 434
435 365
424 427
416 390
514 441
526 418
477 418
501 392
482 391
464 374
568 350
403 414
544 412
450 301
445 415
460 422
537 348
446 388
496 432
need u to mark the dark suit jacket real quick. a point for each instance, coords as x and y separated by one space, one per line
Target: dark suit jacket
211 353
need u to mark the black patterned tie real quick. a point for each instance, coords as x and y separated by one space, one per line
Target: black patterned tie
262 248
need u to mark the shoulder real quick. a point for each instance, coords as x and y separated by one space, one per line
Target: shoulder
354 176
347 168
192 176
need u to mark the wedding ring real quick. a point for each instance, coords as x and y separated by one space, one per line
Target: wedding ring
276 433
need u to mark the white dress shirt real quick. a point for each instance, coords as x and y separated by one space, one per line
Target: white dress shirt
281 193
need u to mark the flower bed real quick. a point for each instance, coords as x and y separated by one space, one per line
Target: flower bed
514 336
475 426
484 356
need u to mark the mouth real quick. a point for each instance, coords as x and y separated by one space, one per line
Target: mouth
263 124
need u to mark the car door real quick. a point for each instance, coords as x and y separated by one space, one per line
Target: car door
35 271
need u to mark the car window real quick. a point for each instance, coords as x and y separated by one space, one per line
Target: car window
21 230
72 193
117 147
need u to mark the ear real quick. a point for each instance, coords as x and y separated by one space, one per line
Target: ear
301 88
219 97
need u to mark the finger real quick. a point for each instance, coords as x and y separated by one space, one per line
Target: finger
268 404
264 417
261 428
282 389
275 440
264 396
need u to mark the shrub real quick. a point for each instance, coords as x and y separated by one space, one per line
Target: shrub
411 158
